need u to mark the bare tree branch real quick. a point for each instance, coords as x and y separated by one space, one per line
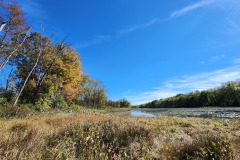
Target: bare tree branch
7 59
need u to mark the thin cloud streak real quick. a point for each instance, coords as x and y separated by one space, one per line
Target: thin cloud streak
237 60
95 41
103 38
191 7
100 39
138 27
134 28
33 9
185 84
219 57
233 28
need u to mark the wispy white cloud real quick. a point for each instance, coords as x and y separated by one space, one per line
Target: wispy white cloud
96 40
233 28
204 81
187 84
137 27
218 57
237 60
33 9
214 59
191 7
104 38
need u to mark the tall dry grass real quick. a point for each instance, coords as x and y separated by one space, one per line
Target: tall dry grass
93 135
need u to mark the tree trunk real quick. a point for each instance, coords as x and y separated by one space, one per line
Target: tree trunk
15 103
7 82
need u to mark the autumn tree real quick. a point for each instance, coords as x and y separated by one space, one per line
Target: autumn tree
13 31
43 71
57 74
66 75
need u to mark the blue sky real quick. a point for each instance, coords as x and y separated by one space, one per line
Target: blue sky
146 50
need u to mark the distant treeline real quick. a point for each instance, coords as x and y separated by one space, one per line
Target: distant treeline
228 95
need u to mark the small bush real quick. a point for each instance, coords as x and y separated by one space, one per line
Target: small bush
59 102
74 106
4 102
42 105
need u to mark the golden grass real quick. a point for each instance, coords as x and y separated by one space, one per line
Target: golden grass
99 135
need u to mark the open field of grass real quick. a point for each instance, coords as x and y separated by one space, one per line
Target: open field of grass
93 134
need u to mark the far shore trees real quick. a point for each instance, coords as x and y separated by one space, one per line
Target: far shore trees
227 95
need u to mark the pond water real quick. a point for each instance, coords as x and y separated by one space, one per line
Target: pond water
135 113
229 112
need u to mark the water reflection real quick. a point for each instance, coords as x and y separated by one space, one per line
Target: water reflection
141 114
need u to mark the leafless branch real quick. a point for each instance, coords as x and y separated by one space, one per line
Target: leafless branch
15 50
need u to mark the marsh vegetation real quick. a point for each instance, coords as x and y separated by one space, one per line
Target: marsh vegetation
95 134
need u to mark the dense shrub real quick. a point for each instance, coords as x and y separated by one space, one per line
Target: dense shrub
59 102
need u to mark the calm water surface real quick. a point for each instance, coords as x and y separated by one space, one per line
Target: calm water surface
136 113
230 112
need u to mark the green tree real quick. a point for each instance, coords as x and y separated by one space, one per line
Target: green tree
93 94
124 103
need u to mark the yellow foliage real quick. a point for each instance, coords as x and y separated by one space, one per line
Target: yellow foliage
66 75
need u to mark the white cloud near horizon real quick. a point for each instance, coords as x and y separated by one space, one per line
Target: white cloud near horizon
185 84
191 7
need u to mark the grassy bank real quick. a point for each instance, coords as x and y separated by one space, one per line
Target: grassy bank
95 134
